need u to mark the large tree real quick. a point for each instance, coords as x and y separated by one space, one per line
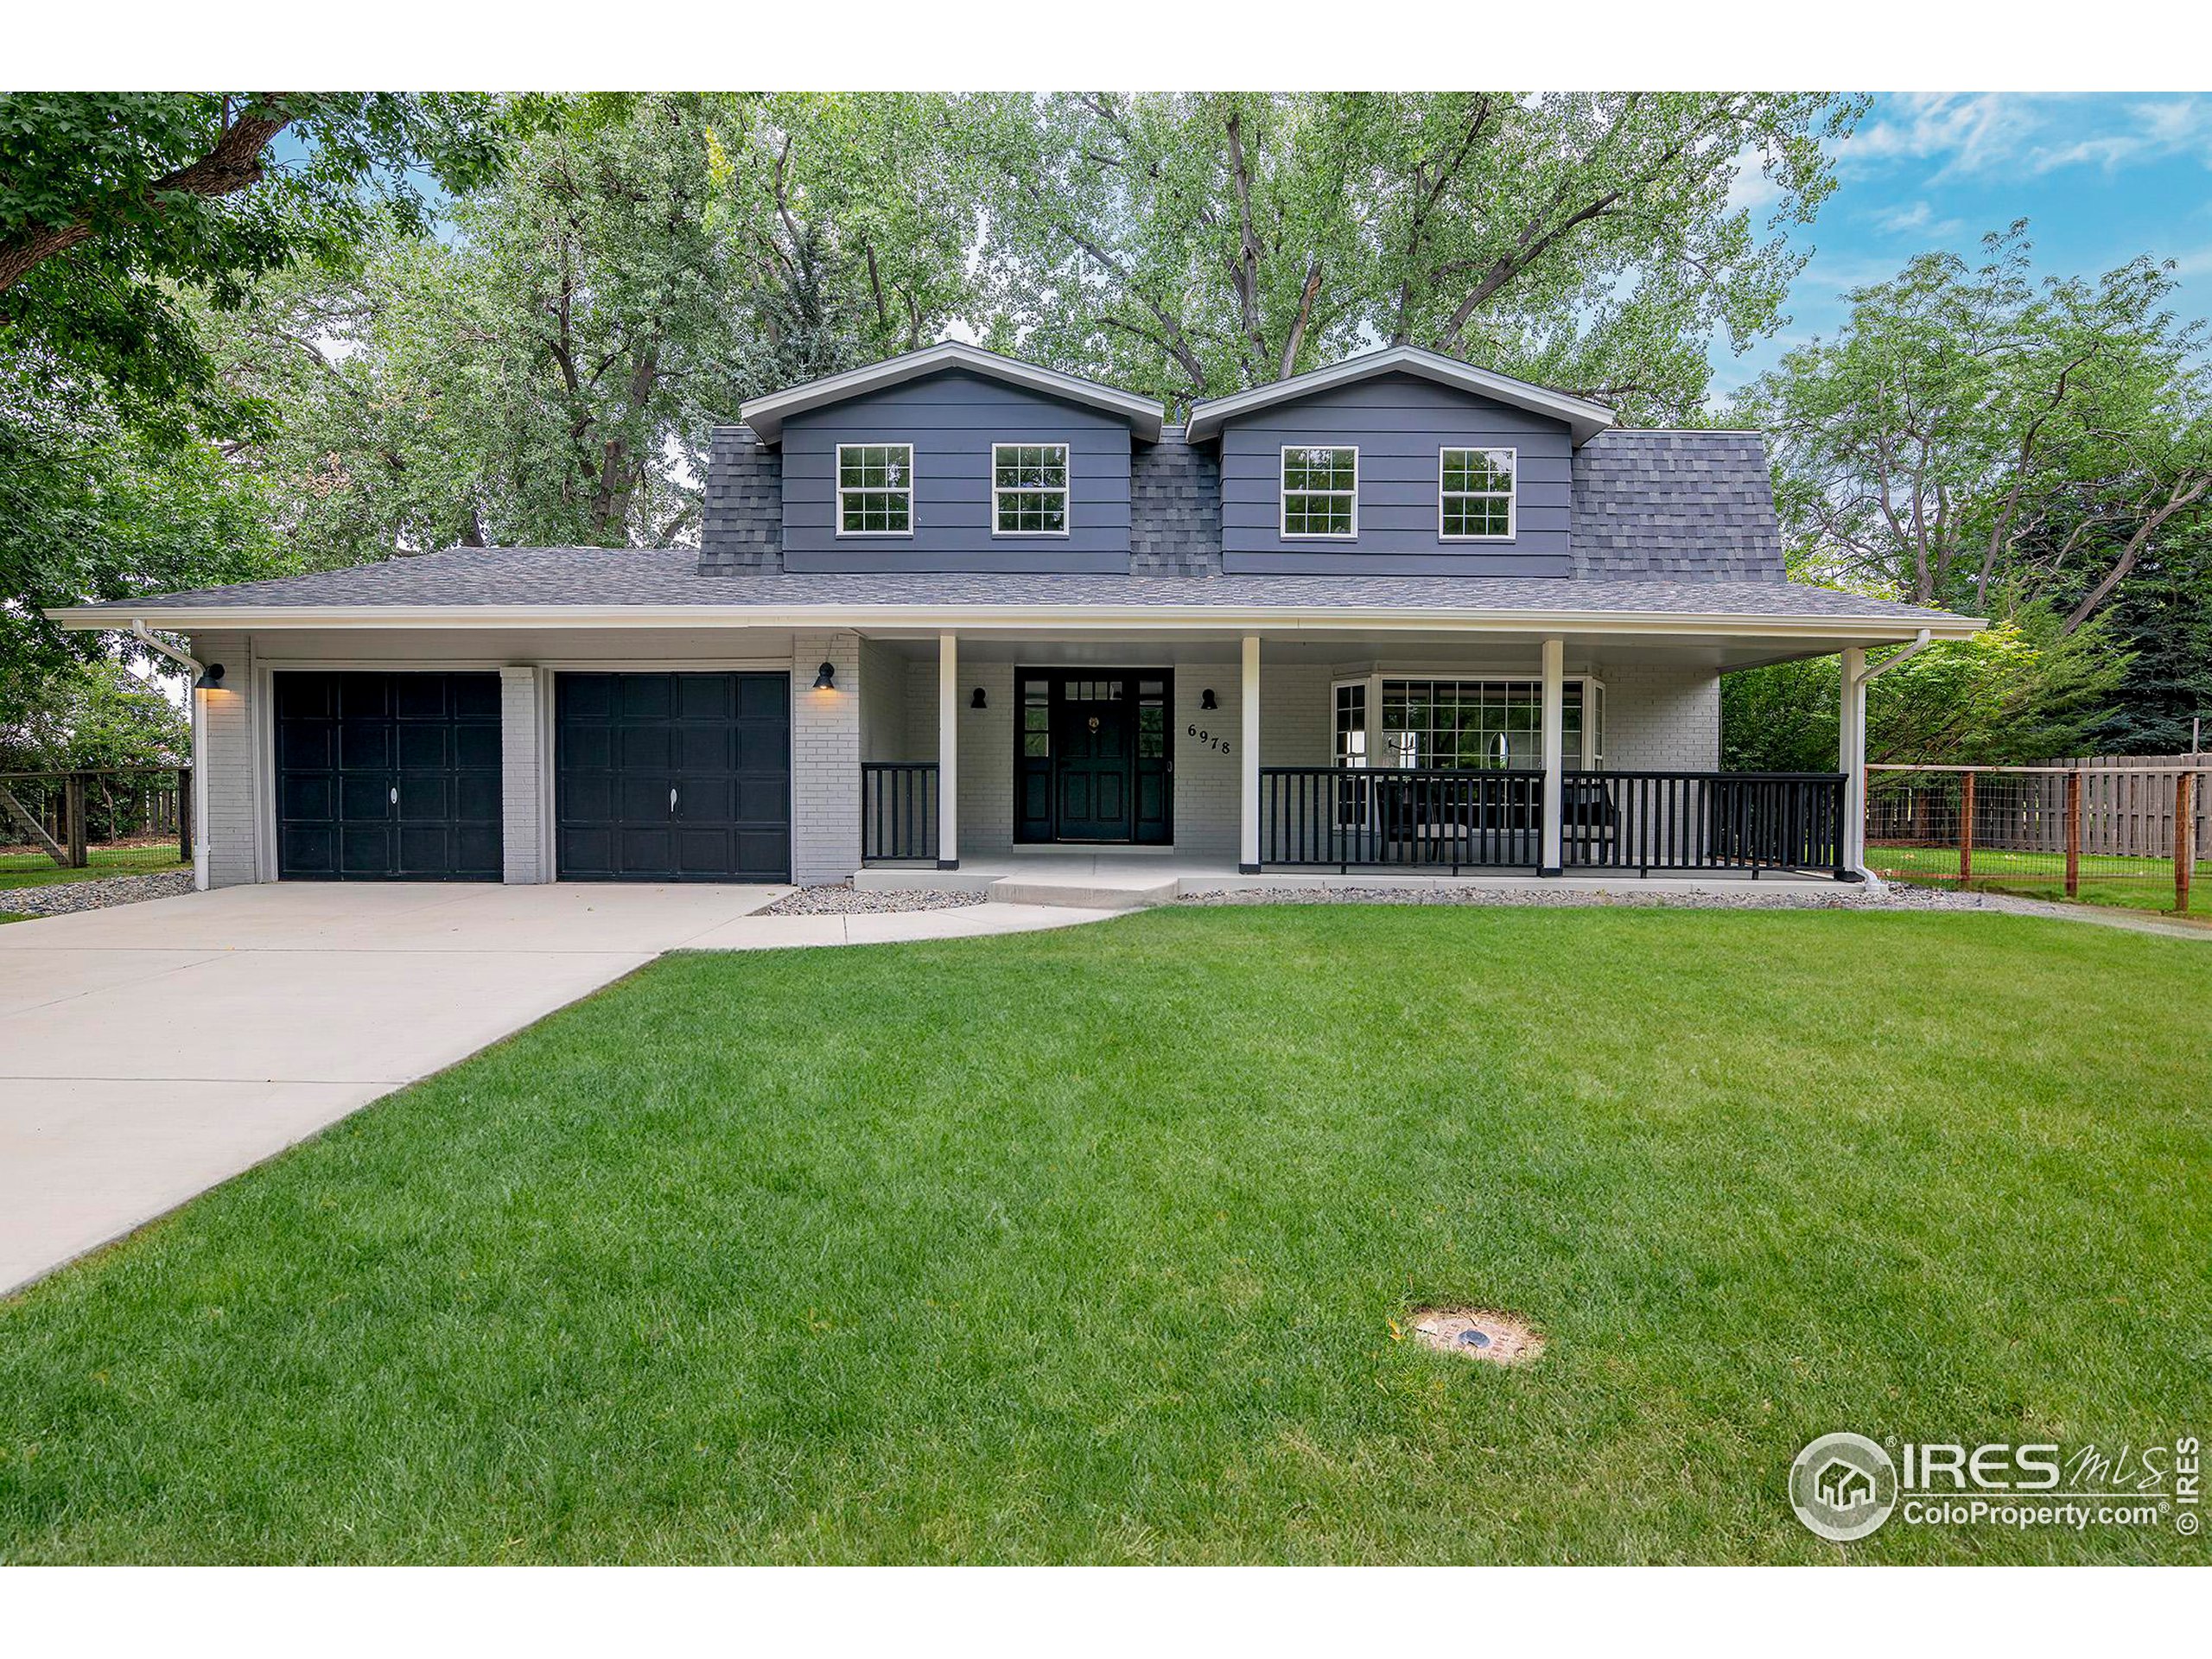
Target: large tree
1969 431
1193 245
551 373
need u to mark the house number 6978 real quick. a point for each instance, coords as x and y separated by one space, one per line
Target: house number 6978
1207 738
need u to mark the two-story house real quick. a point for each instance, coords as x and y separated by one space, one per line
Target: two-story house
1396 614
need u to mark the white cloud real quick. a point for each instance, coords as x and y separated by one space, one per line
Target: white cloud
1916 218
1978 134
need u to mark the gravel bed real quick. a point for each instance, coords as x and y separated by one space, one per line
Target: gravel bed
1895 895
849 901
62 900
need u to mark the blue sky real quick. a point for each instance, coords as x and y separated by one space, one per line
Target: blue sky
2099 177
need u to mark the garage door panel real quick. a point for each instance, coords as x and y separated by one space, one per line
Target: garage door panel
424 745
765 697
646 747
763 748
307 744
476 745
309 850
641 798
579 747
476 798
365 744
312 795
706 748
476 848
706 696
366 849
365 796
705 800
424 799
646 697
623 742
760 800
377 772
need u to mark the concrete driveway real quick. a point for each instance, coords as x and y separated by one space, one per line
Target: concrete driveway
149 1051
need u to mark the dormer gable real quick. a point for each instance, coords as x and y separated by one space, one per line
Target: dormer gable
1401 462
955 459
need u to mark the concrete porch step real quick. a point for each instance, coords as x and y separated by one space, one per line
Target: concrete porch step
1082 889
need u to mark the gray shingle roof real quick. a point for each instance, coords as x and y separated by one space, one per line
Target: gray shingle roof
593 576
1174 508
744 525
1686 505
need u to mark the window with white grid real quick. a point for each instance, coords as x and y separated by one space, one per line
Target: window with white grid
1475 494
1029 489
875 489
1321 491
1463 725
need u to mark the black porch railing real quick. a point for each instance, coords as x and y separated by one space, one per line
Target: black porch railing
1690 821
1344 816
898 809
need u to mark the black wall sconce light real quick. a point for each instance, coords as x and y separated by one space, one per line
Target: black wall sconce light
210 677
825 677
976 702
1206 699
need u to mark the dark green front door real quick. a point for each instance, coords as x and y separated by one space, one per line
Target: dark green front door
1092 776
1092 755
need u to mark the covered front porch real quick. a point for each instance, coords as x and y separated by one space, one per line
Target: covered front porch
987 759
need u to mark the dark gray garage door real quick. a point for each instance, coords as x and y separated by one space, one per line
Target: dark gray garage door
388 777
673 777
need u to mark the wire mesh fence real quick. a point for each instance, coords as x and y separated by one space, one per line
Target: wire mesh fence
2133 836
61 819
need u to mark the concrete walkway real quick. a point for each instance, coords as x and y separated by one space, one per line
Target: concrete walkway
150 1051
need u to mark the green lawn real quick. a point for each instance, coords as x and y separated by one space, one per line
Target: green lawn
2104 880
37 870
1087 1246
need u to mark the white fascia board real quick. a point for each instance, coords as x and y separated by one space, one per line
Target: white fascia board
766 415
1001 618
1584 419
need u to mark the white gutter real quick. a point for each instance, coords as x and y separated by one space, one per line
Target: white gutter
1925 639
139 632
988 619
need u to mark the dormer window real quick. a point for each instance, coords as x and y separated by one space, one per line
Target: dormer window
1475 494
1029 489
1321 491
875 489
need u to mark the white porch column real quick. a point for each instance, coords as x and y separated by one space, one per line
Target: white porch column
947 752
1851 757
1247 771
1554 753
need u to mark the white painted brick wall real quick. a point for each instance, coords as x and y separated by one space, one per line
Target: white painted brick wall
1662 719
225 766
523 851
825 759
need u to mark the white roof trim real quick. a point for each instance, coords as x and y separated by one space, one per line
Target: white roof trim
1585 419
766 415
1083 619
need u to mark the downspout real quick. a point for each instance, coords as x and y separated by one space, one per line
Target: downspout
145 637
1919 644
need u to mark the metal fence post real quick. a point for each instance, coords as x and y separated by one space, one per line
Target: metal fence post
1966 828
2184 838
2073 834
72 807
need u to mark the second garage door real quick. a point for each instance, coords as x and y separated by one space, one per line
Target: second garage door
673 777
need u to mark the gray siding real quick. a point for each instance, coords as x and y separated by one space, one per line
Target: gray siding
1399 423
952 419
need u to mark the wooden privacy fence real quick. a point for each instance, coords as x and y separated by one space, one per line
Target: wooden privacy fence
66 814
2058 825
